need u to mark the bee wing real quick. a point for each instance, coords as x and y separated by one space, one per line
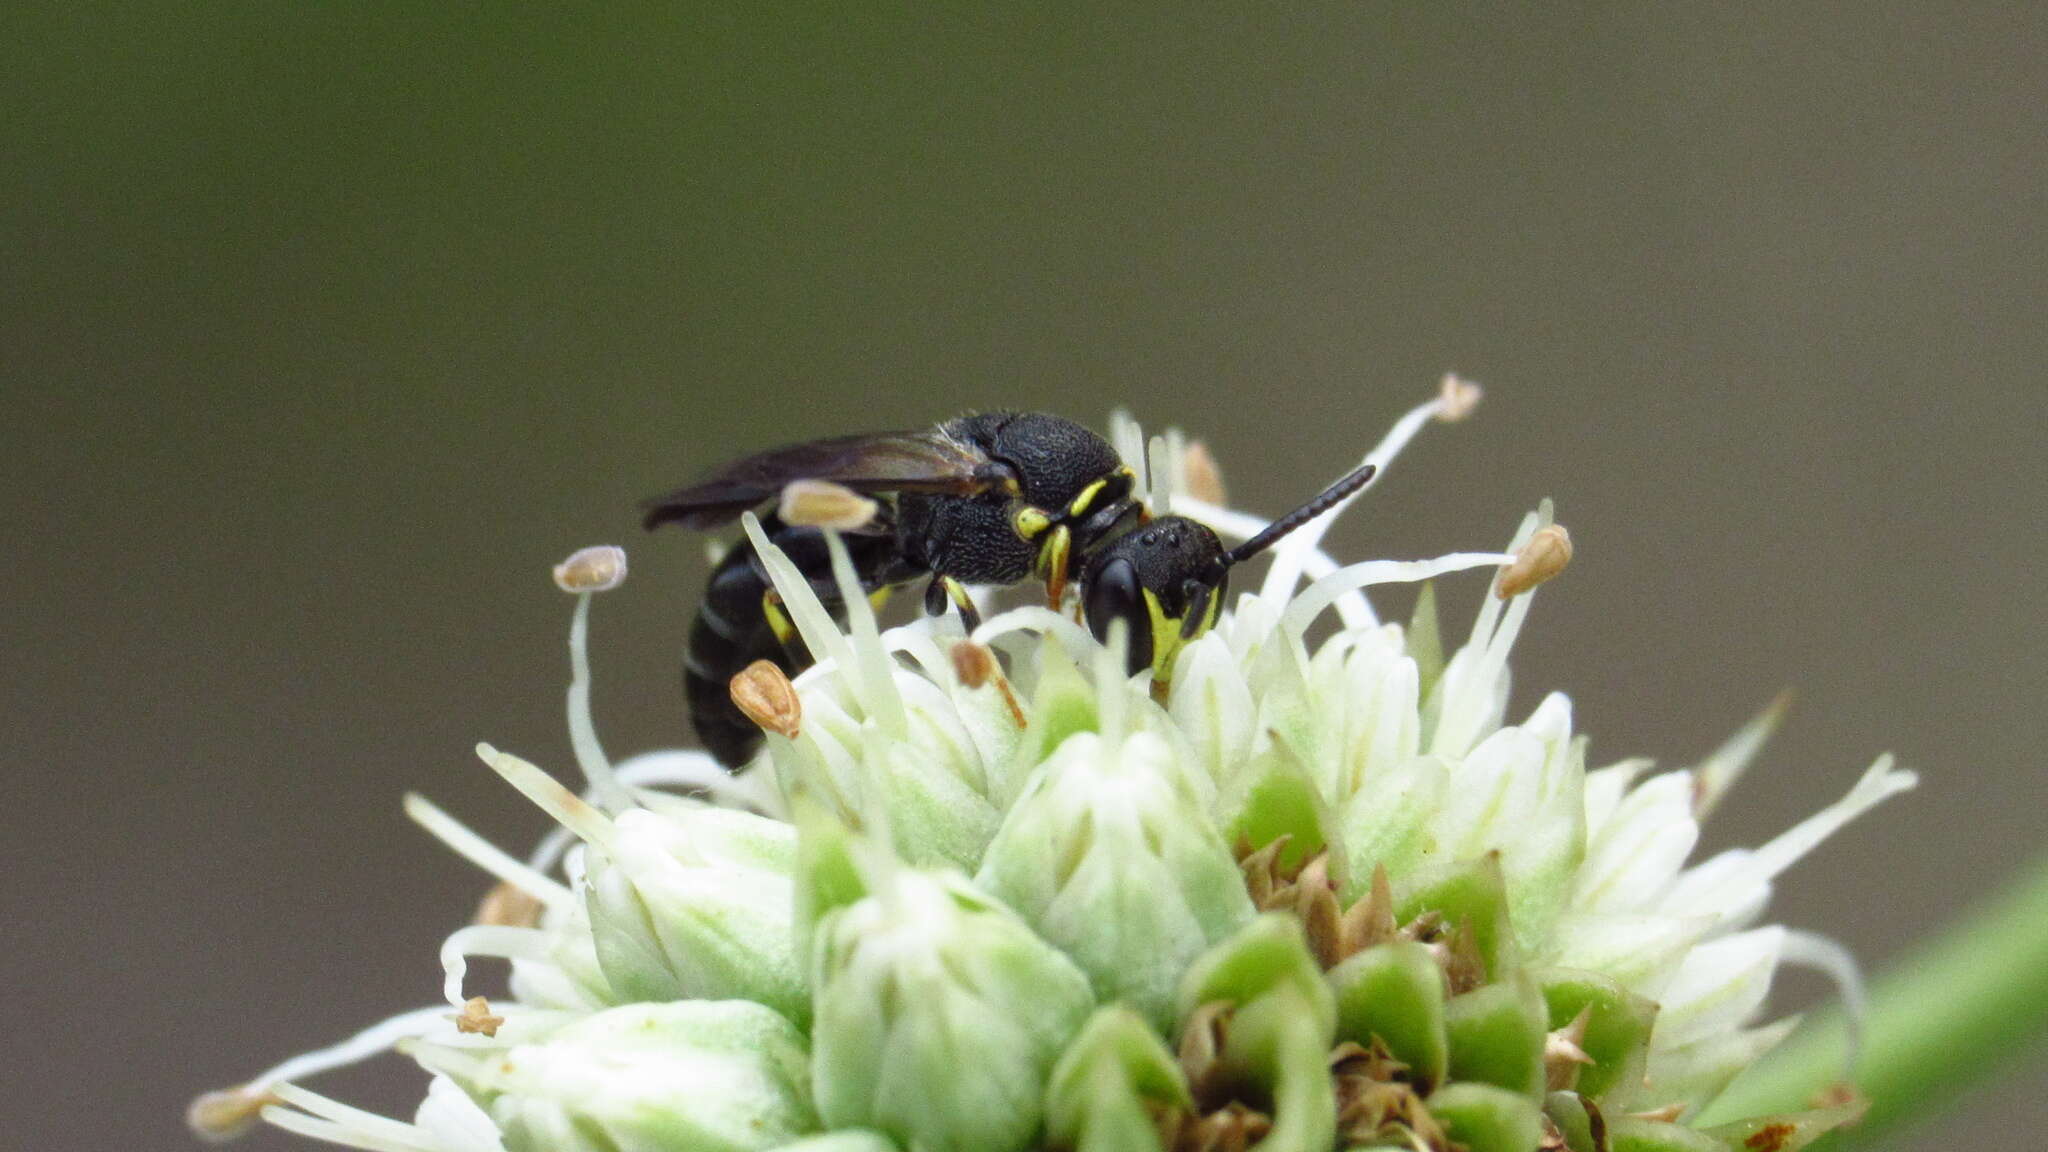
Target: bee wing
927 461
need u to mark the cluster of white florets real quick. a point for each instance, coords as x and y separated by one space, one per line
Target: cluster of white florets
974 886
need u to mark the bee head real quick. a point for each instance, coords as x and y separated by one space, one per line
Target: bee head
1166 579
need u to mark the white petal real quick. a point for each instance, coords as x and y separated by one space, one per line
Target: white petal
1720 986
1638 851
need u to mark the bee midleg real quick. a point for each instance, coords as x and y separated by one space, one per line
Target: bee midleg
741 620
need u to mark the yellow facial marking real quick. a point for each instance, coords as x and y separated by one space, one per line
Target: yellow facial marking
1166 638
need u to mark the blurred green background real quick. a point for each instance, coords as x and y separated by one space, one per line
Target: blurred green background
327 328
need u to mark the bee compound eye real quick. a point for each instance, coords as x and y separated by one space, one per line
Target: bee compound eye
1114 594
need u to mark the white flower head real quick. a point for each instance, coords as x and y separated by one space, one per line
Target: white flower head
1320 880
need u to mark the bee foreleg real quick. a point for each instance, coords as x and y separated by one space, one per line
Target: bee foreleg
945 588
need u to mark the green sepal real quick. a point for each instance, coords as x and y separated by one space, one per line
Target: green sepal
1096 1098
1426 640
1469 892
828 875
1279 1036
1567 1110
1629 1134
1786 1132
1617 1031
1062 703
1483 1118
1279 1041
1264 956
1496 1036
1274 796
1395 991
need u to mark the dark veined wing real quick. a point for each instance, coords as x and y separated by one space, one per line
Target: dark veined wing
927 461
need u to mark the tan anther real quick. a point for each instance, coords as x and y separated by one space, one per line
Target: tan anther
1564 1053
1456 398
599 568
1668 1114
228 1113
1540 560
1204 476
507 905
476 1017
976 667
823 504
974 663
763 692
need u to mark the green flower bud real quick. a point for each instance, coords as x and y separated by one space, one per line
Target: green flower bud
692 1076
1617 1029
1395 992
1472 896
939 1015
1497 1036
696 903
1280 1026
1483 1118
1111 858
1568 1113
1101 1088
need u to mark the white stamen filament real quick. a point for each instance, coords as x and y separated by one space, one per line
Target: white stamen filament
337 1123
688 768
1469 687
1160 458
1129 441
1328 590
1111 685
597 769
1725 765
1831 959
570 810
491 940
1879 783
464 842
1035 618
1352 607
874 663
375 1040
1289 554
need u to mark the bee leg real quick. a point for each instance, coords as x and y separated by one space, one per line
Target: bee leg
784 629
1054 558
945 588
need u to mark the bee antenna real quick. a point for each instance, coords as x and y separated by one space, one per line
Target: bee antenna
1330 497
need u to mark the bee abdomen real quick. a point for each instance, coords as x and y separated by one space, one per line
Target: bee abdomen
733 629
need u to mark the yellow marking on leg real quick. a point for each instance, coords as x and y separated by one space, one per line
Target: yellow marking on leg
1053 557
778 620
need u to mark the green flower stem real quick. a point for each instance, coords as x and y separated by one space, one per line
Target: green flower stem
1954 1012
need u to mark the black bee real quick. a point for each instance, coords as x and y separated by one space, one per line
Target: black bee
994 498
